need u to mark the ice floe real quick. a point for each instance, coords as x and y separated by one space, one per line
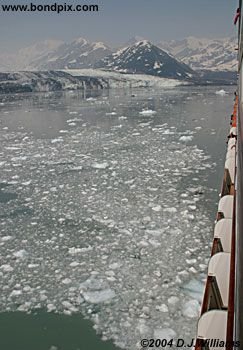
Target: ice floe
186 138
147 112
221 92
105 221
191 309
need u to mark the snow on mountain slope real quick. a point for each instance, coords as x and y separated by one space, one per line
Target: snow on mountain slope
146 58
211 55
80 53
204 54
22 58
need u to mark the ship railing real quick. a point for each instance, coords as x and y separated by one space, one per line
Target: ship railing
217 311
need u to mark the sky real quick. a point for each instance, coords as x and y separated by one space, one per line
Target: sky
118 20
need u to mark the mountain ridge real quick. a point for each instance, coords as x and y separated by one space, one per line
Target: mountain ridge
204 54
199 53
145 58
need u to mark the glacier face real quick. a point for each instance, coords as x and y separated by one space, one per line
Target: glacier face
83 79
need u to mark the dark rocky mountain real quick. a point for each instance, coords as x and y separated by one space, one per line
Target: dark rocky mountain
146 58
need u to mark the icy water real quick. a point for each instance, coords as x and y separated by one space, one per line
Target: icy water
106 215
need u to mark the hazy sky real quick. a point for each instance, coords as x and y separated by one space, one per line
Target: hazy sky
119 20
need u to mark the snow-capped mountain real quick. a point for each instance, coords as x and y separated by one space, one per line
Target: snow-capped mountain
22 59
146 58
80 53
204 54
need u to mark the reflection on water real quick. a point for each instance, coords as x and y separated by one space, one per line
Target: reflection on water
107 212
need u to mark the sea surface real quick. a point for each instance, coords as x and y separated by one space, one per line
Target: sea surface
107 204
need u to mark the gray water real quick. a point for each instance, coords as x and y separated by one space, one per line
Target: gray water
107 213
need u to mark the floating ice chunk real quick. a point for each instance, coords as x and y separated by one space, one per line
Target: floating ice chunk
74 251
142 328
146 219
154 243
191 309
142 244
157 208
196 190
166 333
147 112
24 307
96 297
186 138
16 159
170 210
59 139
21 254
162 308
100 165
168 132
33 266
26 183
76 168
66 281
69 306
74 264
110 273
173 300
157 273
191 261
74 120
194 289
74 112
43 297
146 310
202 267
53 347
221 92
94 283
6 238
114 266
193 270
51 307
155 232
6 268
111 113
15 293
